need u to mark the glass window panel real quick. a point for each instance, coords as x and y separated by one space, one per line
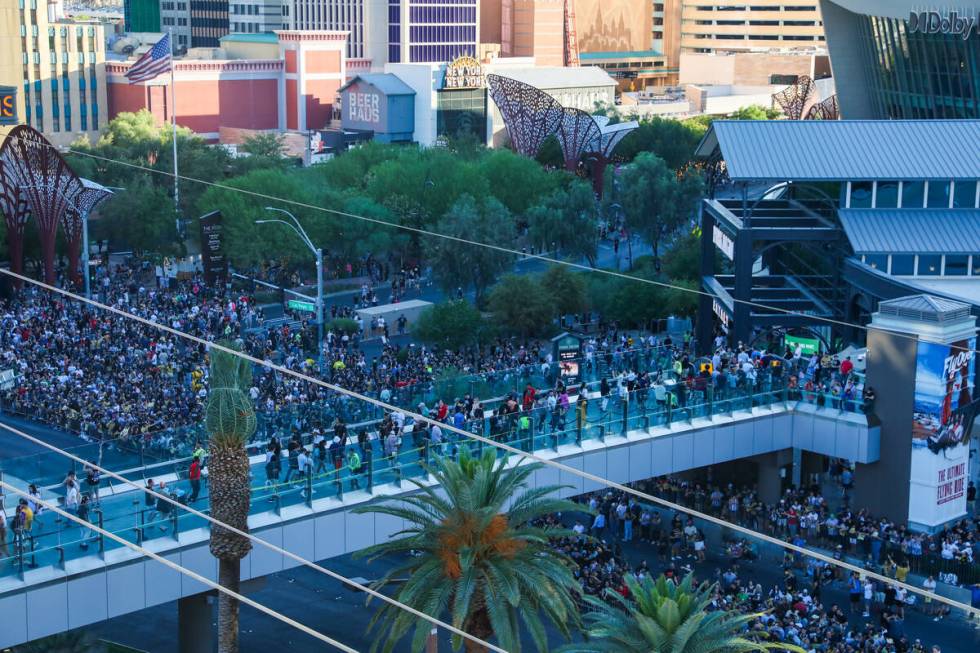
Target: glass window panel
976 265
912 194
886 196
938 195
877 261
861 194
930 265
956 265
965 194
903 264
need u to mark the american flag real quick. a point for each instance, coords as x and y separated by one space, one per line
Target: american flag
154 61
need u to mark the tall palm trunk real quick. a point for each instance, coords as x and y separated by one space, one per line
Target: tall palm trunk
230 500
230 422
478 625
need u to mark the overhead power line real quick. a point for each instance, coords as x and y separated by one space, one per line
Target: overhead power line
474 243
506 447
183 570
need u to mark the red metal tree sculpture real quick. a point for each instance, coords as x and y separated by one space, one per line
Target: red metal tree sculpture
578 134
793 99
530 115
15 214
44 181
89 195
828 109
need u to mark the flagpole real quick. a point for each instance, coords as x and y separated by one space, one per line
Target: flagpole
173 121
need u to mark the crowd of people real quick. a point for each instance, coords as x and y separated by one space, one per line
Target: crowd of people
795 611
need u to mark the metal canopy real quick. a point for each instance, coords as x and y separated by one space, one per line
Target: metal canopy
844 150
912 231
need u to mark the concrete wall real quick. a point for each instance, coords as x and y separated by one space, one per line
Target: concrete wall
883 488
90 589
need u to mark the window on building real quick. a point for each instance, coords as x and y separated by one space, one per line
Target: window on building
957 265
903 264
861 192
975 265
877 261
938 195
965 194
913 194
930 265
886 195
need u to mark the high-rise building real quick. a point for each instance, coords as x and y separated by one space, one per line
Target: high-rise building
897 60
526 28
142 15
175 17
732 25
365 20
58 68
208 22
256 17
423 31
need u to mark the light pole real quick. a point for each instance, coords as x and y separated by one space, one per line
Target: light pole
318 253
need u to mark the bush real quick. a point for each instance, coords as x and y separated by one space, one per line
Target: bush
451 325
342 325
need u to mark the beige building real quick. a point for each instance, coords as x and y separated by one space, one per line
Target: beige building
523 28
57 67
752 68
739 25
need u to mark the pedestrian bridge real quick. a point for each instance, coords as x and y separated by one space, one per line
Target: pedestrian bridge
52 584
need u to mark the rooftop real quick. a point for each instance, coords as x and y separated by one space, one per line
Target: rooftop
552 77
912 231
924 307
629 54
261 37
387 83
845 150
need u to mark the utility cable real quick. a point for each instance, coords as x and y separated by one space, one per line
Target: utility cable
466 241
183 570
254 539
510 449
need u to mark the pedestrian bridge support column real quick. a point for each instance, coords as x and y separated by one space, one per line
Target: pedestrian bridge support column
195 616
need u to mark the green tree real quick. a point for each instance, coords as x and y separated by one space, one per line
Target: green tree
249 243
567 289
674 141
483 567
75 641
666 617
456 263
522 306
452 325
756 112
516 180
230 422
566 220
269 145
656 200
140 217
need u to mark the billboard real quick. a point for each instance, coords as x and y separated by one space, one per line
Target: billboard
212 251
8 105
942 422
613 25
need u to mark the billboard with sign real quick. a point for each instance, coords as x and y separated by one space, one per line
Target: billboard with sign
464 72
942 422
808 346
212 250
8 105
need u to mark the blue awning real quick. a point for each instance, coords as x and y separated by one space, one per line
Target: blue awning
845 150
912 231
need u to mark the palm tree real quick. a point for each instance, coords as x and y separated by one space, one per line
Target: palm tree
665 617
486 567
230 422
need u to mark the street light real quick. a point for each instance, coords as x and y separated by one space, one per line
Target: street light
318 253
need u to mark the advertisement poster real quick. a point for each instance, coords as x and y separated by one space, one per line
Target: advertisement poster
212 252
942 422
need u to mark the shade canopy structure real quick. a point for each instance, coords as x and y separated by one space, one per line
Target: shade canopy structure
41 179
86 199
